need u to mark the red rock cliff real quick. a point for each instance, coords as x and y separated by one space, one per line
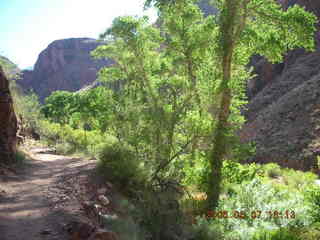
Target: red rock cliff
64 65
8 122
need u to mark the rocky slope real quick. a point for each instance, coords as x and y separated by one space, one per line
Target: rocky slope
284 109
64 65
9 68
8 122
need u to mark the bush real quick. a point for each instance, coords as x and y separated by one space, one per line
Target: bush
50 131
313 196
67 140
27 109
118 162
126 227
64 148
158 211
234 172
279 234
203 230
298 179
309 233
257 195
272 170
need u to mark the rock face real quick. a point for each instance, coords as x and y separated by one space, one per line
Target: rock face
284 109
64 65
8 122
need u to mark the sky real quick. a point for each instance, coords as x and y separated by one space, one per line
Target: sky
29 26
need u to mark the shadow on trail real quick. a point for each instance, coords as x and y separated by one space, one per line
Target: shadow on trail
26 211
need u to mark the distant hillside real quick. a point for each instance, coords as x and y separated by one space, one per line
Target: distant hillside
64 65
9 67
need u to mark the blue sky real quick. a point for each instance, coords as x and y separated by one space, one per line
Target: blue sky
29 26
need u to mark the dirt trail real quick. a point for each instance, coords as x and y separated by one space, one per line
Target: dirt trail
27 203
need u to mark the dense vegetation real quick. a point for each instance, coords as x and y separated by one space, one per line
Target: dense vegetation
167 135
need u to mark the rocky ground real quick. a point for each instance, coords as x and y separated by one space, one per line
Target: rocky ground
54 197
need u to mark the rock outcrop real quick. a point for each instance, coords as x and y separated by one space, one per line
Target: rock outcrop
8 122
284 108
64 65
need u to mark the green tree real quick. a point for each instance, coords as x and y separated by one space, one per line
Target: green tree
159 107
93 107
89 107
59 106
246 27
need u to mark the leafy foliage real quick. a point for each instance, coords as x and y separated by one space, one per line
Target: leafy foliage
59 106
236 173
155 112
242 28
88 107
119 163
313 195
281 234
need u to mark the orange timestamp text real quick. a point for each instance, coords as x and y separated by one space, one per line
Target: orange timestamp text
256 214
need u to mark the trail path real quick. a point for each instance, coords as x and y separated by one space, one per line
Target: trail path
28 204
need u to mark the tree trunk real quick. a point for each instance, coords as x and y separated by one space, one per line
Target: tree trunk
217 153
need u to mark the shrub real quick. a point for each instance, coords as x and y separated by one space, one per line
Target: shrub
118 162
27 108
313 196
298 179
257 195
279 234
234 172
50 131
203 230
64 148
68 140
158 211
309 233
272 170
126 227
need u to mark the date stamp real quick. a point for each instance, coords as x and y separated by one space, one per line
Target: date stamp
256 214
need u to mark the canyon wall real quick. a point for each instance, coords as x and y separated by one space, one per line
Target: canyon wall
64 65
283 116
8 122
